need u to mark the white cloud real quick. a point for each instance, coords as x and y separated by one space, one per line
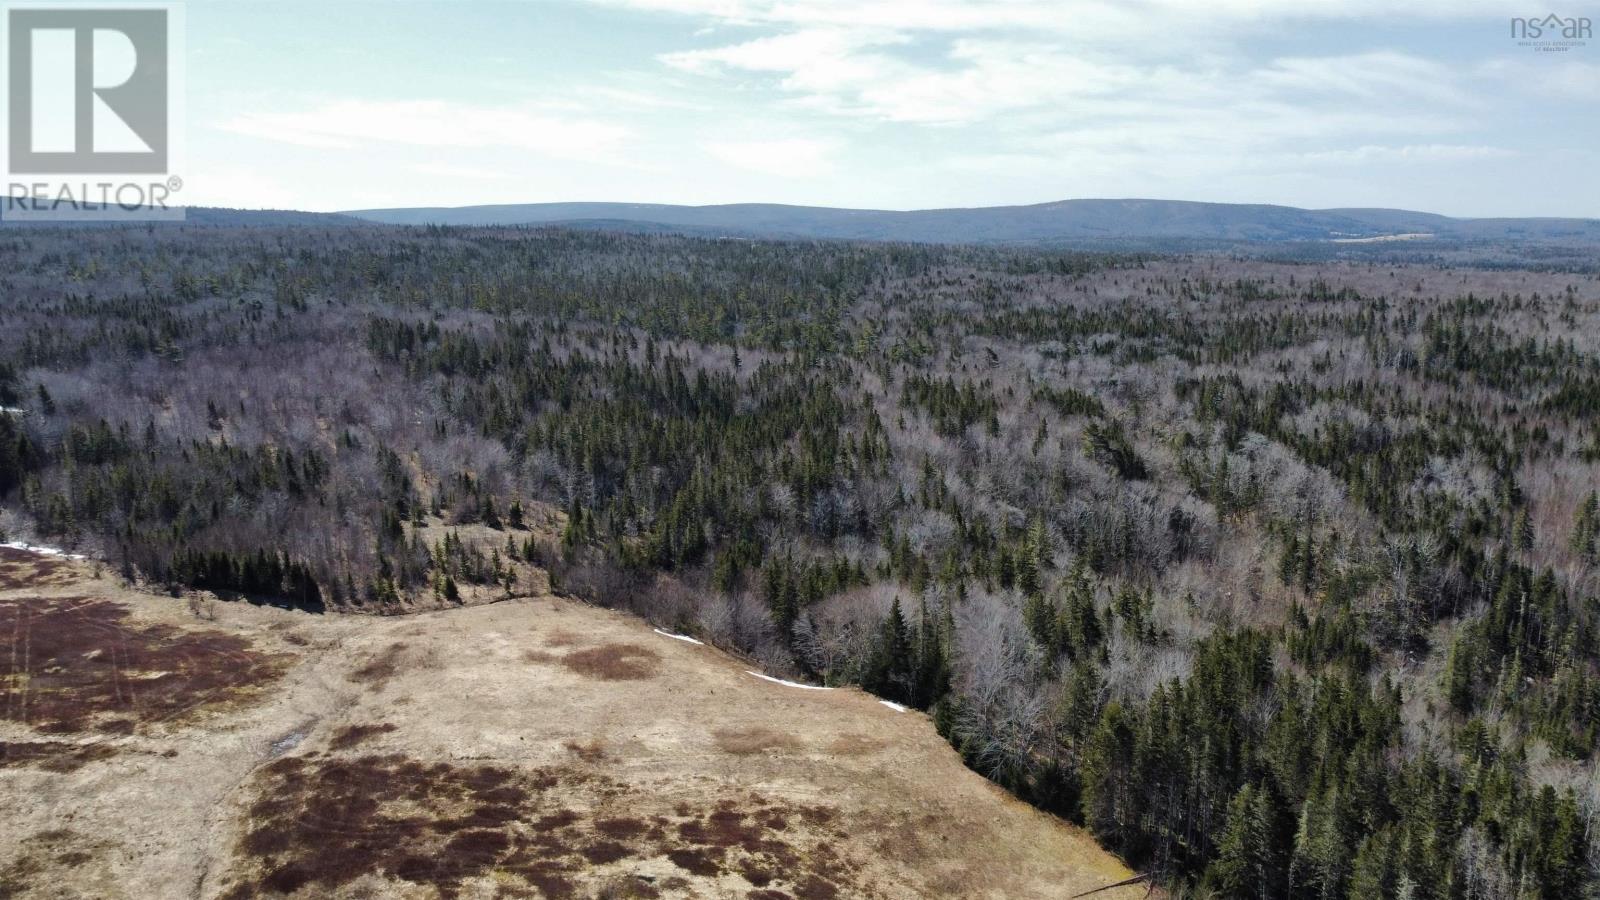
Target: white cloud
1421 153
1378 74
849 73
955 62
476 173
1082 18
822 60
1546 78
788 158
352 123
1020 84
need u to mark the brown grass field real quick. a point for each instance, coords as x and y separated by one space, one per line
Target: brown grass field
531 748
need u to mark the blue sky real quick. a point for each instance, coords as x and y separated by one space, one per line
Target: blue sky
1423 104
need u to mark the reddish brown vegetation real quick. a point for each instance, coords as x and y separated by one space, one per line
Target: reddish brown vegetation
21 569
378 670
695 860
622 828
323 822
352 735
614 662
75 664
55 849
52 756
591 751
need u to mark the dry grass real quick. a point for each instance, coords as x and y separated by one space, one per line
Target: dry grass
562 637
855 745
621 765
759 739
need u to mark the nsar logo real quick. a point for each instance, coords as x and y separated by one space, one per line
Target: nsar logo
1552 33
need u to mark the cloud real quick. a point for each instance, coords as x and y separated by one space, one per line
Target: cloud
982 79
354 123
1546 78
960 62
823 60
789 158
1373 75
1081 18
475 173
1419 153
910 103
848 73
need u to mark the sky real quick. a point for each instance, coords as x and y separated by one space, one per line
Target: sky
1417 104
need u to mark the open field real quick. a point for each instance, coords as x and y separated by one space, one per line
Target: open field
527 748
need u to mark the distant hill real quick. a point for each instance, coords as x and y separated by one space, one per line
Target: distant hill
218 216
206 217
1169 224
1063 221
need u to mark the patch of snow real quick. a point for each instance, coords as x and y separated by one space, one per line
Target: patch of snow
287 742
1384 238
42 551
793 684
12 410
895 706
678 637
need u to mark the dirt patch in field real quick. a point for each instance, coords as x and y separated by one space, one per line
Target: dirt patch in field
326 822
744 741
72 664
614 662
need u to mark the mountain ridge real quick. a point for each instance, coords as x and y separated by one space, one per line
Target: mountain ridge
1061 220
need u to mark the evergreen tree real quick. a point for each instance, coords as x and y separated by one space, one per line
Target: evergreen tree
1586 527
1249 863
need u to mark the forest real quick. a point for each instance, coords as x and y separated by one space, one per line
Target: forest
1280 577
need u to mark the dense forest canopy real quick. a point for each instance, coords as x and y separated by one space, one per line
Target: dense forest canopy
1281 578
